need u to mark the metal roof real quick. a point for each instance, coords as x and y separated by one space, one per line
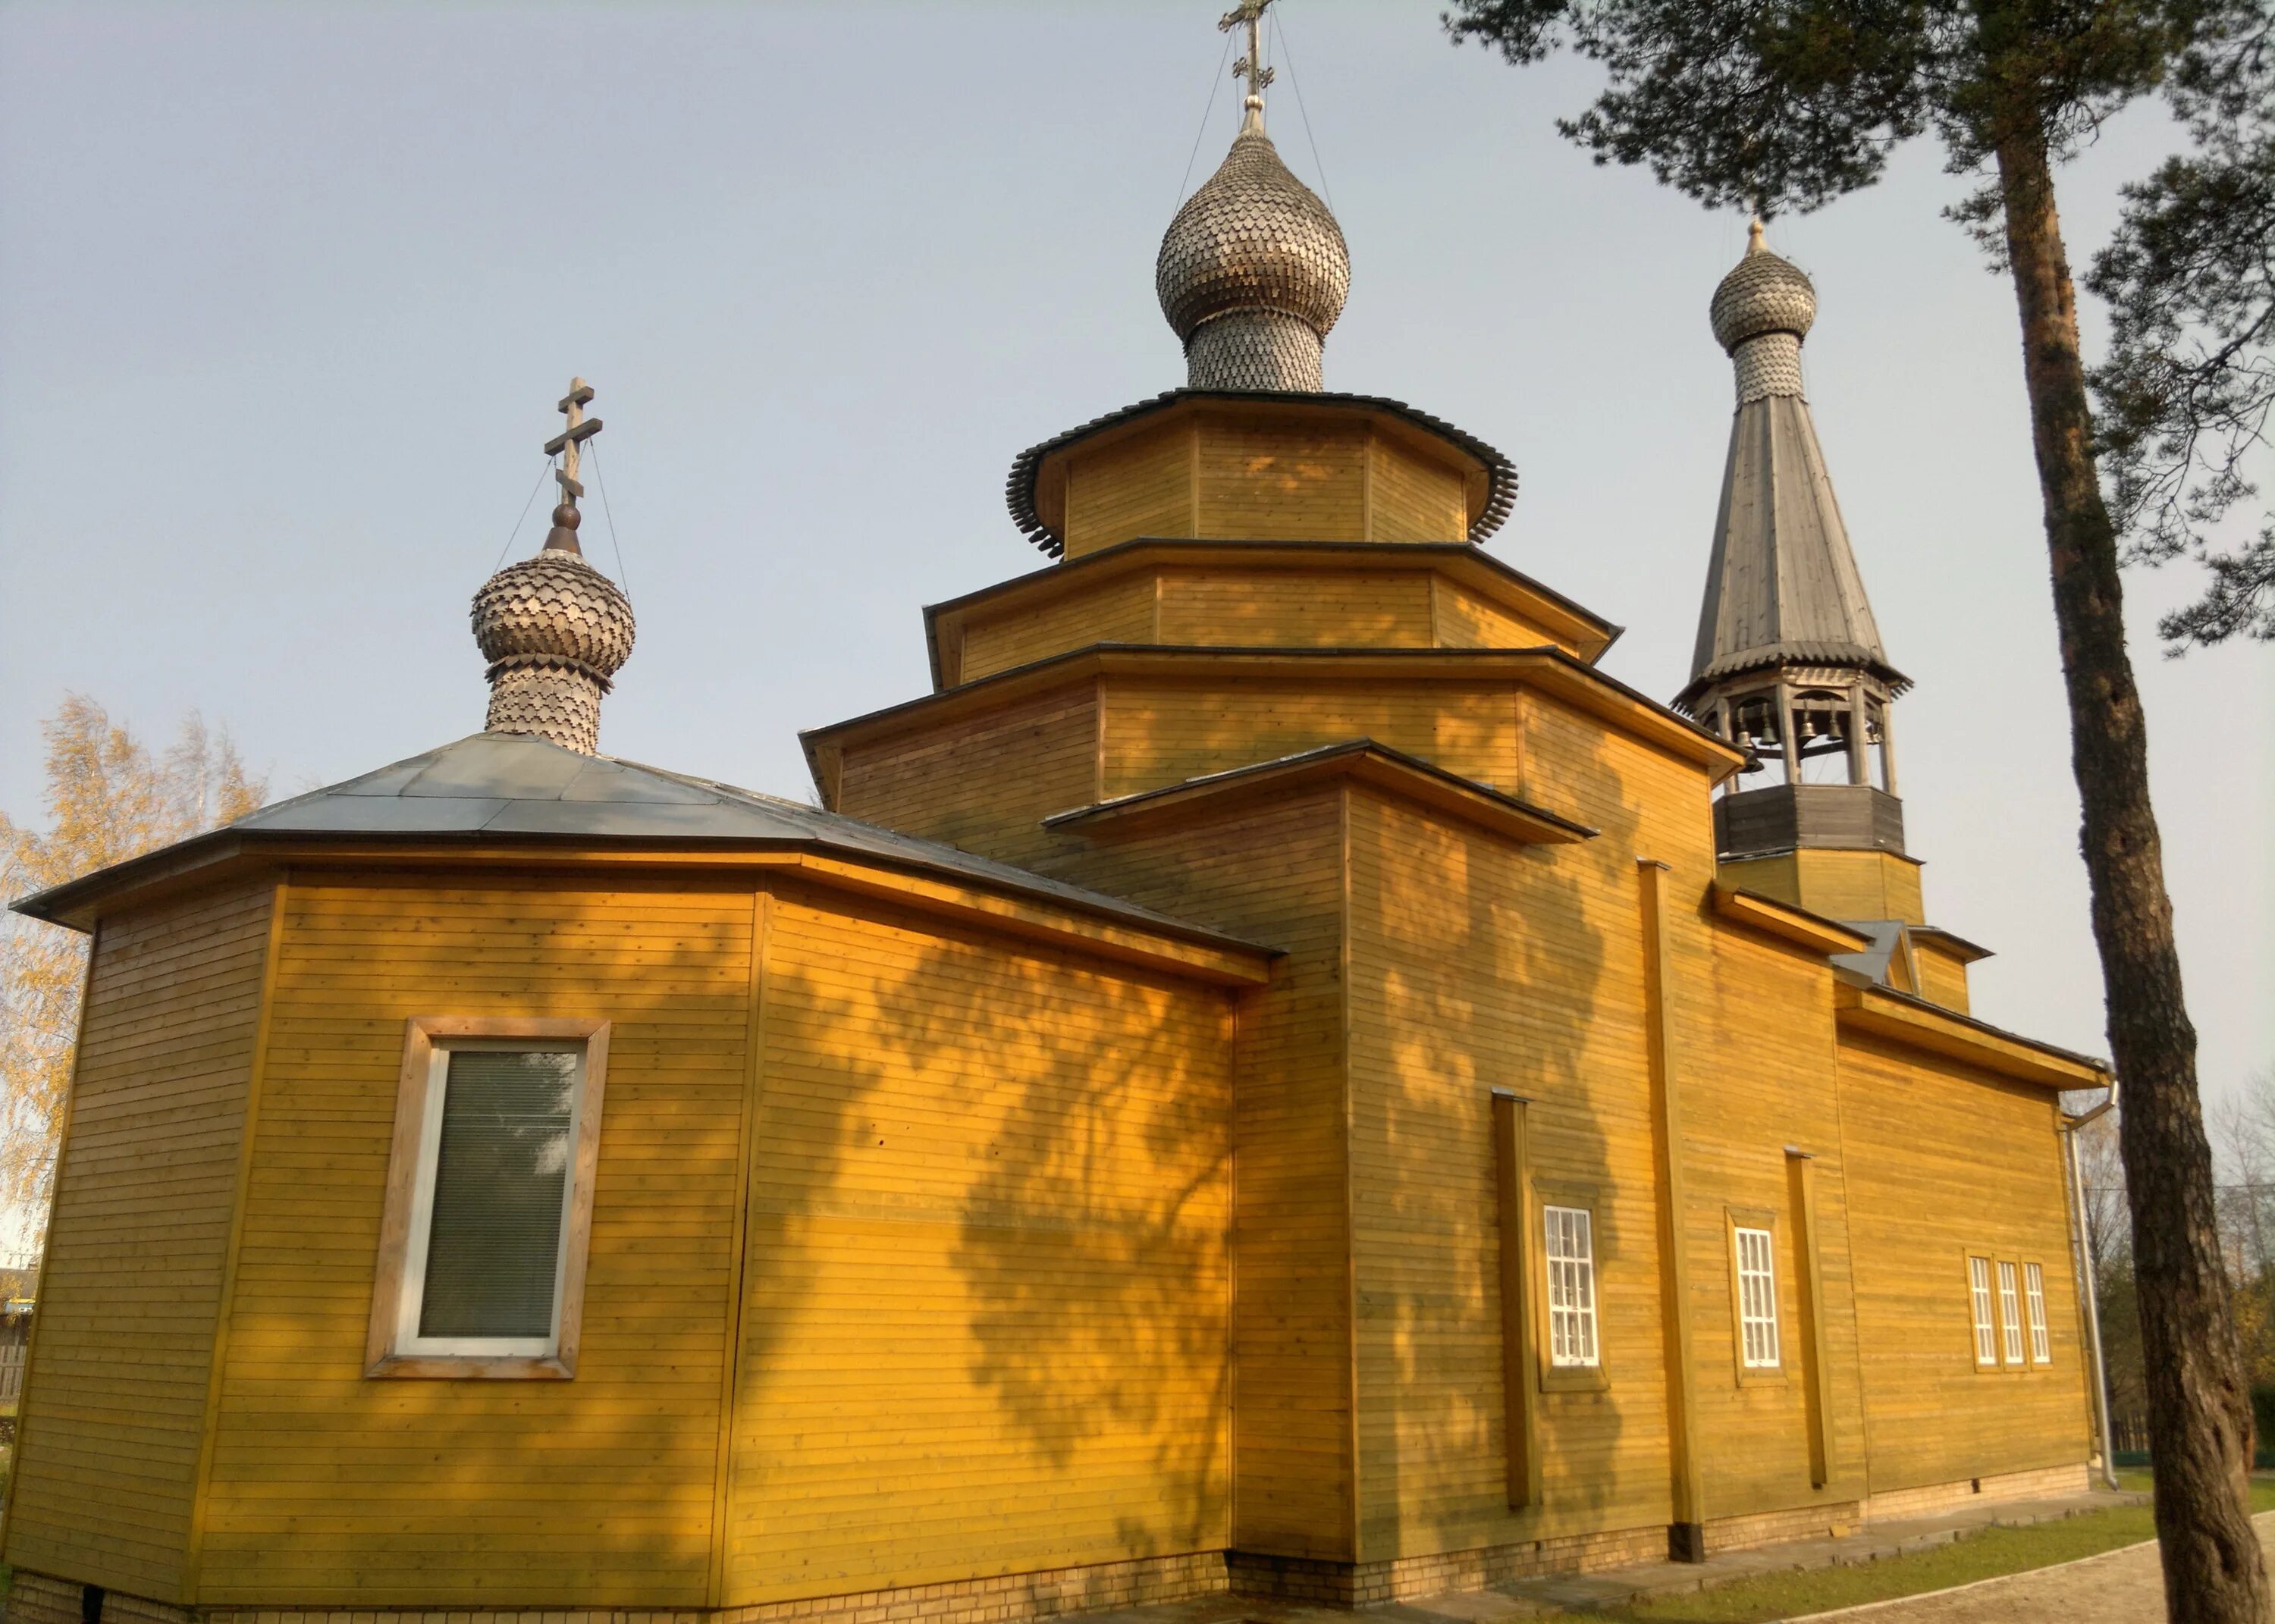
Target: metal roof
497 786
1019 489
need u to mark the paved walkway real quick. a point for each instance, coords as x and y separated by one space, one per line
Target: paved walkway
2123 1587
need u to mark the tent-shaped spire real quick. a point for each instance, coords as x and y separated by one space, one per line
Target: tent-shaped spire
1783 587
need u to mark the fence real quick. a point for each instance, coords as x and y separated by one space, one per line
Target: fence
11 1376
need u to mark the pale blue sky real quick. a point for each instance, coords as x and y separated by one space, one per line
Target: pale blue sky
287 294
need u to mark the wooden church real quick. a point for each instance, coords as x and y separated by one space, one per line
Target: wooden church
1277 1075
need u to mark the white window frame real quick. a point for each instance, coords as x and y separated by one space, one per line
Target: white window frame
2010 1312
1978 1297
394 1346
1574 1341
1754 1259
2034 1300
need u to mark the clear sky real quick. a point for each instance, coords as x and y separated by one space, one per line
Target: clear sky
288 292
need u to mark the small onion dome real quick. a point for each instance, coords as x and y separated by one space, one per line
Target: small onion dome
1763 294
1252 238
555 610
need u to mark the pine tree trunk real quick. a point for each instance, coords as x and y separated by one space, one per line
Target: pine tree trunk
2199 1406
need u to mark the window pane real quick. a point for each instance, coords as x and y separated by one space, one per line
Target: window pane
2034 1282
2010 1315
1757 1299
494 1243
1979 1285
1571 1286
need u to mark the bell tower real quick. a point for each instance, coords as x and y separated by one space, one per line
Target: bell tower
1789 664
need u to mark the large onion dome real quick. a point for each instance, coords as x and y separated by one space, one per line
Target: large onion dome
554 631
1253 272
1762 294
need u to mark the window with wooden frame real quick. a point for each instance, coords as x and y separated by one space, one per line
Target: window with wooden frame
1754 1255
1987 1329
2034 1298
2010 1313
1570 1251
489 1198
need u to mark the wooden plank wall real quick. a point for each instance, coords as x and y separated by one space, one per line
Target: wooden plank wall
1764 1080
988 1289
328 1487
983 783
1296 608
1467 621
116 1401
1414 499
1117 611
1942 975
1291 479
1481 964
1942 1159
1275 872
1139 486
1162 731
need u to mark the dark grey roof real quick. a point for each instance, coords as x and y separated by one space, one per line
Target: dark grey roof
1783 587
1019 489
515 786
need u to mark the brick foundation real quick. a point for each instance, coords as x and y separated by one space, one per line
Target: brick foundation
2049 1483
1366 1584
1776 1528
1012 1599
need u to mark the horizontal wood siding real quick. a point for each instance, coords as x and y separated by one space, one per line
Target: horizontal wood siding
987 1282
1293 608
1645 800
1943 1161
1275 874
328 1487
1142 486
983 782
1414 498
115 1402
1762 1076
1294 479
1115 611
1161 731
1468 621
1479 964
1942 975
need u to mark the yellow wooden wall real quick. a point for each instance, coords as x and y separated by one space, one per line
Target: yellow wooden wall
326 1487
1942 1159
1411 499
1465 620
1274 872
986 1329
1287 609
983 782
116 1403
1141 485
1840 885
1942 975
1121 610
1758 1079
1479 964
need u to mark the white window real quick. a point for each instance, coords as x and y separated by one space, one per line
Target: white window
2010 1313
1757 1315
1571 1288
2034 1287
1978 1291
489 1198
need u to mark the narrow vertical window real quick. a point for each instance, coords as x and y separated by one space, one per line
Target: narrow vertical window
1978 1292
2010 1313
489 1198
1571 1253
1757 1315
2034 1288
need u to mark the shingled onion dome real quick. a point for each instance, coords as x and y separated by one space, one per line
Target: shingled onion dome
556 630
1761 311
1253 272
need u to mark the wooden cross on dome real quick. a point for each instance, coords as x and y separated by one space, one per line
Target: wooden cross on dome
564 444
1250 67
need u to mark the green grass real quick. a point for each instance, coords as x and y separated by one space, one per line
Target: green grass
1985 1555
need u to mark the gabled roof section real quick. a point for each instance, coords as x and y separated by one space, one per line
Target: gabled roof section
1019 488
493 788
1408 777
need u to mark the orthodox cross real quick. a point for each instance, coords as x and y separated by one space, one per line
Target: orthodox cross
564 444
1250 67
